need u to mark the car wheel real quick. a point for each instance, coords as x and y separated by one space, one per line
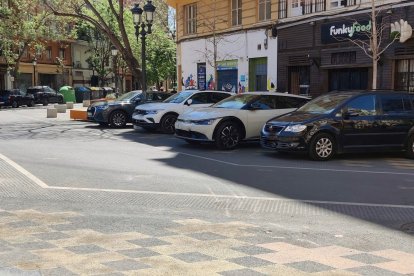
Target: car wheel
31 103
228 136
118 119
60 101
167 123
410 147
45 102
15 104
322 147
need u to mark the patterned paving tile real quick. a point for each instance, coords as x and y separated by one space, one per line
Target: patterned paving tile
252 250
33 245
402 263
23 223
148 242
192 257
204 236
125 265
138 253
85 249
309 266
241 272
57 271
373 271
367 258
51 236
249 261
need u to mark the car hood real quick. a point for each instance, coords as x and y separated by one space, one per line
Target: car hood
157 106
207 113
295 118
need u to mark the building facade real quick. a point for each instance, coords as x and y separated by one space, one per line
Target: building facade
230 45
316 55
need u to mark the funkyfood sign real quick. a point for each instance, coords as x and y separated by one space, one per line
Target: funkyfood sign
345 30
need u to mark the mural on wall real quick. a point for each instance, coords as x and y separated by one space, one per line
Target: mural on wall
271 85
211 83
242 84
190 83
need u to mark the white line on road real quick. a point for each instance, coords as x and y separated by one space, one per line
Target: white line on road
24 172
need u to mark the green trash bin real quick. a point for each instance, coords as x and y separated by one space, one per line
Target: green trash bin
68 93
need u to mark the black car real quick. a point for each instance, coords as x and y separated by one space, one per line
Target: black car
45 95
345 122
119 113
15 98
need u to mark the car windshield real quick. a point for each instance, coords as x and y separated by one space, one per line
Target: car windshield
128 96
324 104
179 97
236 101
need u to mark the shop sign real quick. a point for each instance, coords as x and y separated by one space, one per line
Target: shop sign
344 31
401 30
227 65
201 76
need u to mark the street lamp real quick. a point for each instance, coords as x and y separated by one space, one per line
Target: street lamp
143 28
34 71
114 52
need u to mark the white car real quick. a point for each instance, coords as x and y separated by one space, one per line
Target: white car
240 117
164 114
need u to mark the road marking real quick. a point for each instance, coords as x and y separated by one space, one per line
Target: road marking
24 172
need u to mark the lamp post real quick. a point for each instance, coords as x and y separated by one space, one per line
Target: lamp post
34 71
143 27
114 52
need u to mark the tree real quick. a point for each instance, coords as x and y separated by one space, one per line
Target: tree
113 19
26 26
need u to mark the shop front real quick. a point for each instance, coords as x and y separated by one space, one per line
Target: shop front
227 74
318 56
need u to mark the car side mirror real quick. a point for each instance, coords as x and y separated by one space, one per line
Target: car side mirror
350 113
189 102
255 106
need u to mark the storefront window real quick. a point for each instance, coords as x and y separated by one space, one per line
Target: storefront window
405 75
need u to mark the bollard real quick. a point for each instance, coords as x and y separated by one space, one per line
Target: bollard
61 108
51 113
86 103
69 105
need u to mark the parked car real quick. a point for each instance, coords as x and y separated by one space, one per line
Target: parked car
119 112
45 95
163 115
15 98
234 119
345 122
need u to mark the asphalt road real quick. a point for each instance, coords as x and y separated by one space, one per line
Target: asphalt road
369 193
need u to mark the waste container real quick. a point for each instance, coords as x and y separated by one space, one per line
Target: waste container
68 93
82 93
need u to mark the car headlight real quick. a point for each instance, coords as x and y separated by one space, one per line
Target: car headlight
295 128
103 107
152 112
204 122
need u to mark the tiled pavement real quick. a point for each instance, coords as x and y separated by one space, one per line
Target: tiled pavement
40 243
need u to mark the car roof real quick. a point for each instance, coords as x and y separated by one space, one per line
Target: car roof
275 94
360 92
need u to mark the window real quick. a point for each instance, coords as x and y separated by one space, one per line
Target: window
392 104
236 12
216 97
320 5
190 16
295 4
289 102
48 53
307 6
364 105
265 10
282 9
200 98
265 102
405 75
62 53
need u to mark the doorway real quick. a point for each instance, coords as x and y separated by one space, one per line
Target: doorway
258 74
299 80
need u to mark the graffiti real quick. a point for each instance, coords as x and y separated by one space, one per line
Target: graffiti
190 83
211 83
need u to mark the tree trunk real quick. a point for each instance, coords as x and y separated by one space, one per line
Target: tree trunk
374 46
